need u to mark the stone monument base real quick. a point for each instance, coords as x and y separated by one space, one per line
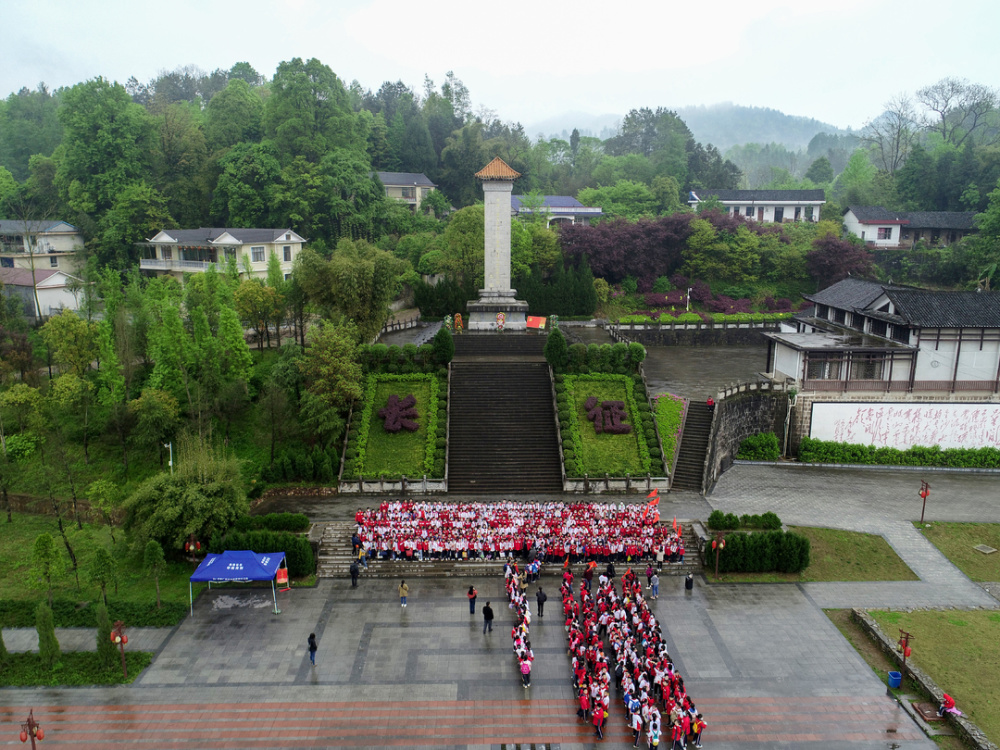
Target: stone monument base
483 312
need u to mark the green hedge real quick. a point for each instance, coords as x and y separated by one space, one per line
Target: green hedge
829 452
761 447
68 613
273 522
719 521
690 317
73 668
298 552
766 552
669 419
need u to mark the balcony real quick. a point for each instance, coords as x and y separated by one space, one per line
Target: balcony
183 266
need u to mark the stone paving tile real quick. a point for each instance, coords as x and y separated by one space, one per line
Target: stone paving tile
84 639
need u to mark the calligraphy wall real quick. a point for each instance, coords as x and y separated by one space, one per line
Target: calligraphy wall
903 425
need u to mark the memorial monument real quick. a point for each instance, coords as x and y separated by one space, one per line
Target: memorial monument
497 296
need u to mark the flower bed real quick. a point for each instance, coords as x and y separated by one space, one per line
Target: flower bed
614 453
670 419
717 318
378 452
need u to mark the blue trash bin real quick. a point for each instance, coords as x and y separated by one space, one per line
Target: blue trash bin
895 679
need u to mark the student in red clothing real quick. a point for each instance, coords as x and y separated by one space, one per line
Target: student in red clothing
697 728
678 736
584 711
598 722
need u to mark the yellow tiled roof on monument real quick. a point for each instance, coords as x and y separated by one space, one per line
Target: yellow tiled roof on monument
497 170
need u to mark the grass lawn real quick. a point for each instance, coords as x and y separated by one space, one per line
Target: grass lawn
835 555
401 453
15 565
879 662
956 542
73 668
961 653
616 455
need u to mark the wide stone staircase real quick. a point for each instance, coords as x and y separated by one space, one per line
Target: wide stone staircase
502 435
694 447
335 556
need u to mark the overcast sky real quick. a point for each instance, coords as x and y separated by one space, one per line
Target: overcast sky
837 61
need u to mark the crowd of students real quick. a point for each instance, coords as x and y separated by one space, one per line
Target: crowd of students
547 532
652 692
520 634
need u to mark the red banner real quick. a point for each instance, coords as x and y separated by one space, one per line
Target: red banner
535 321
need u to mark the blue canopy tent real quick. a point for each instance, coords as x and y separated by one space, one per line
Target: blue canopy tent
242 565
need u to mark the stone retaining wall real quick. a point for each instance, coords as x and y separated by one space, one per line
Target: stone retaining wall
742 411
969 732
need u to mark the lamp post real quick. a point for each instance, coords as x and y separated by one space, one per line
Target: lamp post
718 544
31 728
688 308
170 463
925 490
118 636
904 646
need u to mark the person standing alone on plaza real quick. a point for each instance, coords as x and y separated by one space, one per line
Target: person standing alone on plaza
654 583
472 599
355 572
541 597
404 591
312 648
487 618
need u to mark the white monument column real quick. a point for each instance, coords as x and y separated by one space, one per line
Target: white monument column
497 295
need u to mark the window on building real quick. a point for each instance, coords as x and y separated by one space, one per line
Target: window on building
167 253
952 236
823 366
287 276
6 262
424 192
809 212
839 316
867 367
798 213
54 261
901 333
822 312
257 254
410 193
779 214
229 253
879 328
748 211
885 233
287 250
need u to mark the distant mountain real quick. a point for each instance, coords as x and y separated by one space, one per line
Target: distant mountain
723 125
561 126
727 124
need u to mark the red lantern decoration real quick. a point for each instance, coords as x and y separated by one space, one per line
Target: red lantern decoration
40 734
714 544
113 638
907 651
197 545
24 736
125 639
187 546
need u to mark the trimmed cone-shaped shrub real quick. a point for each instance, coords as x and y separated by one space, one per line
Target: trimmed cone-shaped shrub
48 646
107 654
556 350
4 654
444 346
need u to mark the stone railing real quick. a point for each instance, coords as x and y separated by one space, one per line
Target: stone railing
619 485
969 732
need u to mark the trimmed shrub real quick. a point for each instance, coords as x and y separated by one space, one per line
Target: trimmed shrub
273 522
781 551
48 645
298 553
107 654
444 346
556 350
761 447
829 452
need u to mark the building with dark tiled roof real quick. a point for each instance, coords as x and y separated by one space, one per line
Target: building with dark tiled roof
558 209
868 352
765 206
179 251
881 227
54 289
407 187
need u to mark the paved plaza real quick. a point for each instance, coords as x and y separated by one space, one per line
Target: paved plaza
762 662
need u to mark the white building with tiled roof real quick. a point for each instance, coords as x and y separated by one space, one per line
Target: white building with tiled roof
57 290
880 227
765 206
179 251
892 365
407 187
47 244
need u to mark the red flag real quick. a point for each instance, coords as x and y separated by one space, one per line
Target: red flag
592 565
675 524
566 564
653 493
645 512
